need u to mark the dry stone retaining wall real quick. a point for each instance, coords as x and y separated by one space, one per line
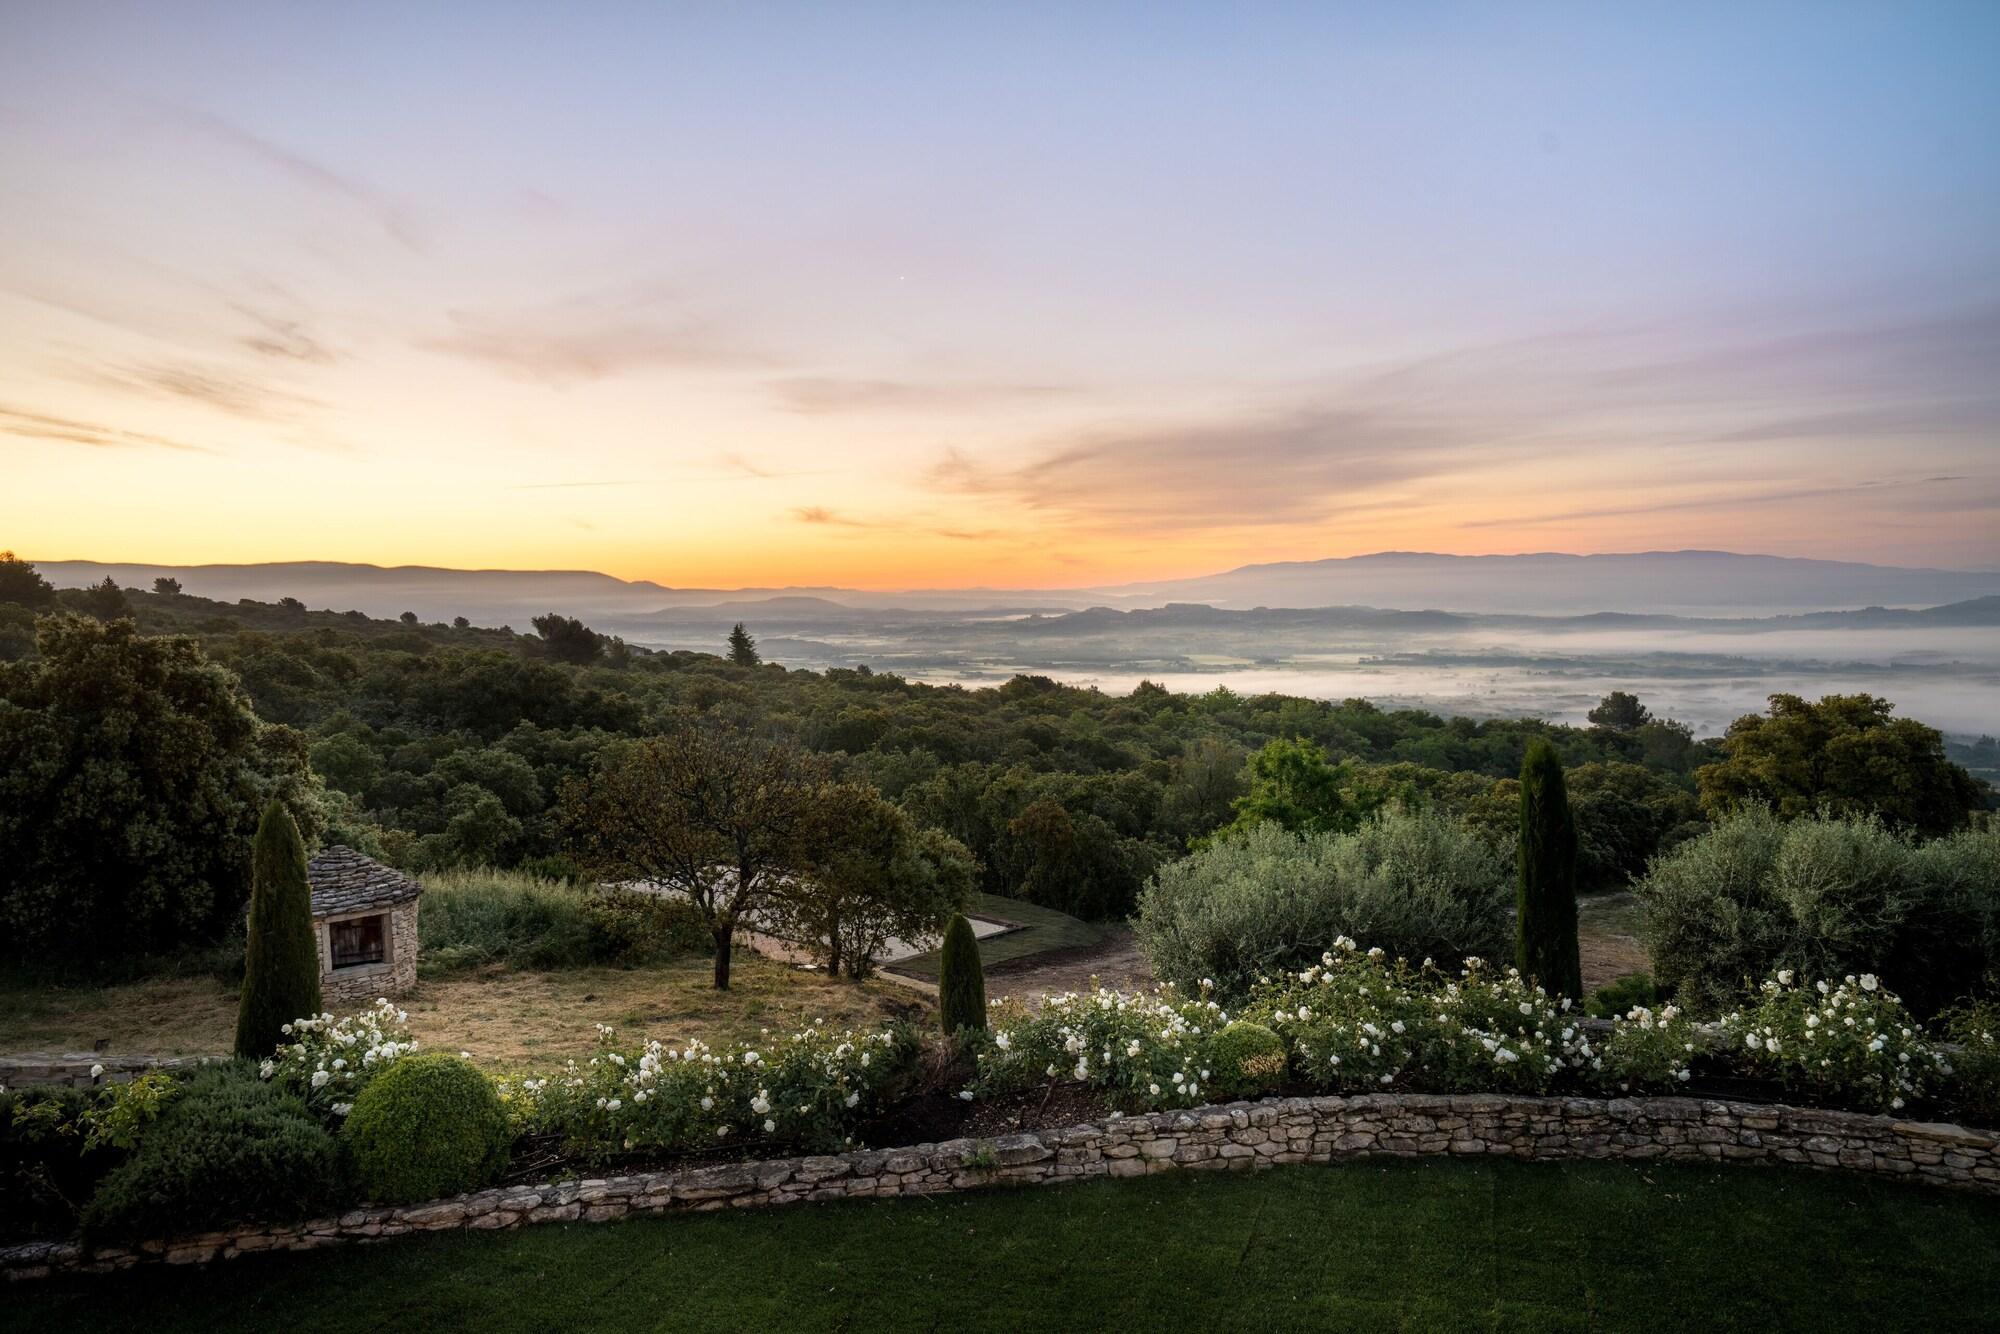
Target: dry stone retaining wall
74 1069
1238 1137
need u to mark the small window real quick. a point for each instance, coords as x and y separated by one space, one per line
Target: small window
358 941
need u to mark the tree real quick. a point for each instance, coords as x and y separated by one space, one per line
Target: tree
281 955
961 979
1545 944
567 639
22 583
408 618
292 605
715 817
134 776
1293 785
167 586
1845 756
743 648
866 875
460 623
1620 712
106 601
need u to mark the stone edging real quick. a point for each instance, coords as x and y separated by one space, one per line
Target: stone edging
1237 1137
72 1069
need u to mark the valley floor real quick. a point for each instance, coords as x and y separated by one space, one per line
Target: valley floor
1411 1245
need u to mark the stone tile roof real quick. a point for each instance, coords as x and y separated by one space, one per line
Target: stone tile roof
344 881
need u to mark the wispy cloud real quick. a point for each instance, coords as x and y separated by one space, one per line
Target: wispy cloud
42 426
277 336
595 334
1399 437
224 390
824 395
387 213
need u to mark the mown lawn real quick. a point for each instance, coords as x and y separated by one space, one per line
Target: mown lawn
502 1017
1044 929
1424 1245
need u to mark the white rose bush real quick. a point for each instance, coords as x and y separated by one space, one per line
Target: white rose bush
1148 1052
1848 1041
807 1088
327 1060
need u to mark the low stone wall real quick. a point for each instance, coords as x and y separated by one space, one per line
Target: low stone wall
75 1069
1238 1137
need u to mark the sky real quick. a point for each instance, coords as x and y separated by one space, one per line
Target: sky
927 295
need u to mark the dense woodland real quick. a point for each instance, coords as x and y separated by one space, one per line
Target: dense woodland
437 745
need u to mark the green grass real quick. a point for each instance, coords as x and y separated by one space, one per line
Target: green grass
1044 929
1422 1245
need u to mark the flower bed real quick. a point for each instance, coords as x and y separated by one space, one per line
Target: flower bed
1355 1025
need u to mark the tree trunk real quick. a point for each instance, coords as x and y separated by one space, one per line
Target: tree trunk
722 936
833 947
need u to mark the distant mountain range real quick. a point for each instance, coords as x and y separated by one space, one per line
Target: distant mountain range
1700 584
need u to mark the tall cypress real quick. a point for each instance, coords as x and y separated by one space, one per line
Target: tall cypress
281 956
1545 947
961 979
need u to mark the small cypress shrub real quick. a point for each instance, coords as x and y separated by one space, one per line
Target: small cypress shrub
1246 1060
961 979
281 956
429 1125
1545 946
228 1148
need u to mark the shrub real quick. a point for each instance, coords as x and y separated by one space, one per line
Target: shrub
429 1125
328 1061
1619 997
474 918
1825 897
228 1148
807 1088
1838 1042
1146 1052
1545 944
961 979
1267 902
1975 1084
281 955
1648 1050
59 1143
1246 1060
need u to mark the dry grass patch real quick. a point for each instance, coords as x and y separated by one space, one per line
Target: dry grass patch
503 1018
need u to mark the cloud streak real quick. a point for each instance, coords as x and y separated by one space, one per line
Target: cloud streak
68 430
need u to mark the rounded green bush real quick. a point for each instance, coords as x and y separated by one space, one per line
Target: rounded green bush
1246 1060
427 1126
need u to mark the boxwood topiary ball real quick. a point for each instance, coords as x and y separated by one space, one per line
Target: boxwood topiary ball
429 1125
1246 1060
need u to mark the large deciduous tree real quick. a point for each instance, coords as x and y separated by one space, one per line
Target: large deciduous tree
1843 755
866 875
22 583
1292 784
134 777
567 639
1545 888
716 816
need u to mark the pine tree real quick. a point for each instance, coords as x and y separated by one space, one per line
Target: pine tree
1545 947
743 648
281 957
961 979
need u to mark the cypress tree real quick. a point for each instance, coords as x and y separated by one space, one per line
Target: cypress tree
1545 947
961 979
281 956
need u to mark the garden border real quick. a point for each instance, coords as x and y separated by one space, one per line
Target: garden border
1235 1137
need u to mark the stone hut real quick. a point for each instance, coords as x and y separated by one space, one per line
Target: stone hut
365 919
